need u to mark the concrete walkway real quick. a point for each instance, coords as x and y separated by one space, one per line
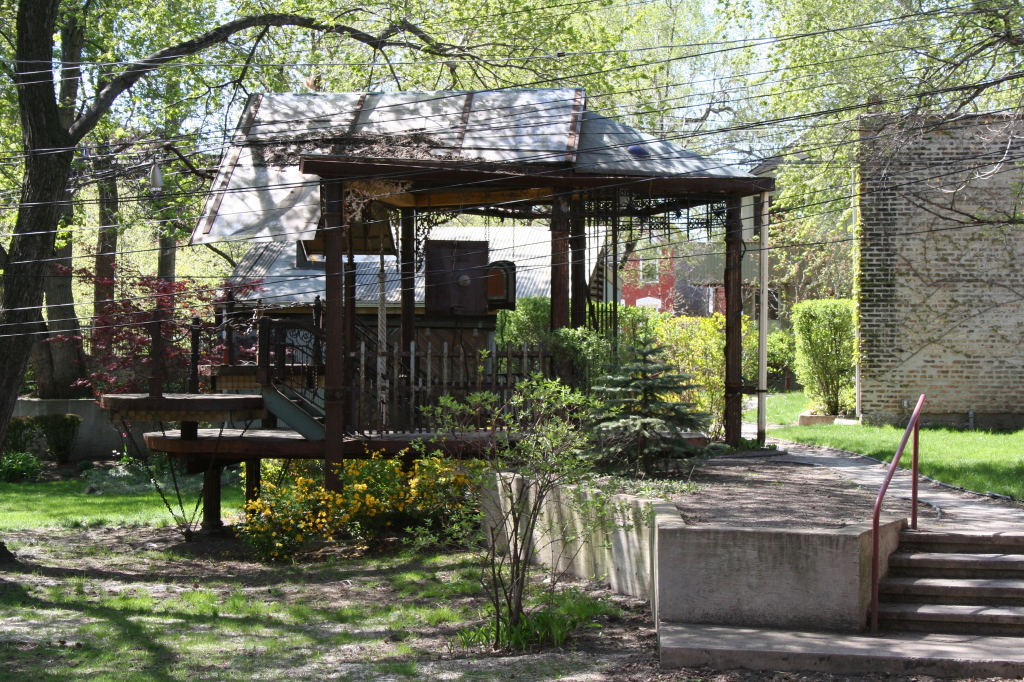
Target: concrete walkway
960 510
724 648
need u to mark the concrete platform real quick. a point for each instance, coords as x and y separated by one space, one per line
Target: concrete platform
723 648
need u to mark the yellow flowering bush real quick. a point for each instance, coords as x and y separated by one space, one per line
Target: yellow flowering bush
377 496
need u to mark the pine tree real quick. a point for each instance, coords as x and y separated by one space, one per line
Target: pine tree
642 418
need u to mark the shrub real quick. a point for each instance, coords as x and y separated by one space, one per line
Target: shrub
377 497
22 433
59 430
696 346
644 418
825 333
781 351
18 466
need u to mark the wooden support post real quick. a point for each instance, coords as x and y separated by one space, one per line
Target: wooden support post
211 500
560 219
334 329
252 479
578 266
733 320
408 270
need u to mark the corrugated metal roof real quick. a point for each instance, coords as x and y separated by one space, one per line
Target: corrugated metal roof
259 193
284 283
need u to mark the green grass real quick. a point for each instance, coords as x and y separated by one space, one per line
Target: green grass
783 408
63 504
977 460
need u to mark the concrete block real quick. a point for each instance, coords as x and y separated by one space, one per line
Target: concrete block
769 577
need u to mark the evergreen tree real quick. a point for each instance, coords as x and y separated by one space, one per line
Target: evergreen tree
643 418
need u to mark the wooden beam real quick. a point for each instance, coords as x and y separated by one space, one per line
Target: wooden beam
560 227
334 329
733 281
442 174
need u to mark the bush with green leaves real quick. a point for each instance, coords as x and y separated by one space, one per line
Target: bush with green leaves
59 430
825 341
19 466
781 351
22 434
643 418
696 346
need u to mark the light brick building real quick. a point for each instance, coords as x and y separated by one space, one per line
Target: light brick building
940 282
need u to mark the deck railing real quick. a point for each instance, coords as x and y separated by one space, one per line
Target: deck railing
913 429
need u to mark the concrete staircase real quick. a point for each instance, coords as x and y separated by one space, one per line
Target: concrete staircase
955 582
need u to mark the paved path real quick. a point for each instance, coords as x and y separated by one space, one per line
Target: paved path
959 509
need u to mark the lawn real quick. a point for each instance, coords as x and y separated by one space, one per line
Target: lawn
982 461
783 408
137 604
63 503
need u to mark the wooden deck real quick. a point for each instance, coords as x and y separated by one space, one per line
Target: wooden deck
186 407
233 445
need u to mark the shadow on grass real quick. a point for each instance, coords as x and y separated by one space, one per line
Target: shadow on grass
413 578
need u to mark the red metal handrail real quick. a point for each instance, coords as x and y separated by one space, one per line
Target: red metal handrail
914 427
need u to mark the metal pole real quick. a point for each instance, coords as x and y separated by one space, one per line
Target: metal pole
762 330
913 493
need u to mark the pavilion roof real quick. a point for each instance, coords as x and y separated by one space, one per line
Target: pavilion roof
267 186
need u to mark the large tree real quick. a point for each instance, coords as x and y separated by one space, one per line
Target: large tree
114 60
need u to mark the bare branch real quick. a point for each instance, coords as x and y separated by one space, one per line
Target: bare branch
223 255
195 171
133 72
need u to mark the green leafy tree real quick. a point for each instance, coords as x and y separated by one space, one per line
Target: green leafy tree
644 418
825 337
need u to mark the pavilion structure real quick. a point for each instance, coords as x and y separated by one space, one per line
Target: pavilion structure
345 174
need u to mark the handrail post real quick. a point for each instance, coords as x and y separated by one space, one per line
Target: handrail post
912 428
914 469
156 355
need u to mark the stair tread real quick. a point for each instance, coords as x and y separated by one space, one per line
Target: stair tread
972 583
904 558
958 612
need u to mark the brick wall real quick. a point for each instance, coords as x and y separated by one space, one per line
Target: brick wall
940 271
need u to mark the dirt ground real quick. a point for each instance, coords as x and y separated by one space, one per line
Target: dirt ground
774 491
71 578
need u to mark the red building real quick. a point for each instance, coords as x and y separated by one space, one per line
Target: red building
649 279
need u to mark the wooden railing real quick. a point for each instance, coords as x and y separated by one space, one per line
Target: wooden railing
913 429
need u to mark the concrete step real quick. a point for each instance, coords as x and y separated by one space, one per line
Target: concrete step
953 618
970 591
939 655
954 565
979 542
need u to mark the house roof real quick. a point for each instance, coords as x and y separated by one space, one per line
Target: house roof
286 283
260 193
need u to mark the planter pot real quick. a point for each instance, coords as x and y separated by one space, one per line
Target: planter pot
808 419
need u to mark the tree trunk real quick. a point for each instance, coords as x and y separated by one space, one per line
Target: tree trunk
166 264
42 192
6 558
106 247
64 342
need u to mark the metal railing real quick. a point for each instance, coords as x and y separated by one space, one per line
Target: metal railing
913 429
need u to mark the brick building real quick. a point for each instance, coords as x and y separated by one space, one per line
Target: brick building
940 283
